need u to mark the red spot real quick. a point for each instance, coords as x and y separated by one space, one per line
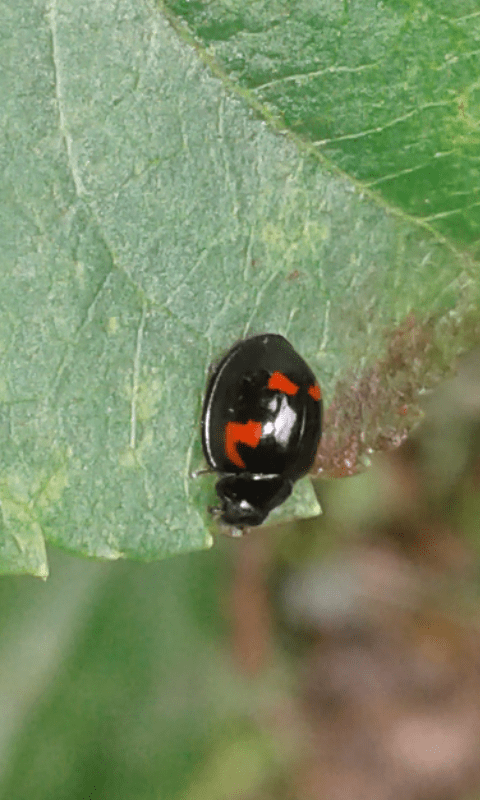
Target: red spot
280 383
246 432
315 391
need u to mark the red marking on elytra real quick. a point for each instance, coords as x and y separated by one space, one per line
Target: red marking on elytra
315 391
280 383
245 432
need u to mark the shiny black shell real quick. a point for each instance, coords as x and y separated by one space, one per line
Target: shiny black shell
261 425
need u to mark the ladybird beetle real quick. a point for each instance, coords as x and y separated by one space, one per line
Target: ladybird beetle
261 424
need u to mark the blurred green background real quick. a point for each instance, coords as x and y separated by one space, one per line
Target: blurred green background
113 679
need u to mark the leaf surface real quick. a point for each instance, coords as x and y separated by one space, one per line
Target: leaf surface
148 220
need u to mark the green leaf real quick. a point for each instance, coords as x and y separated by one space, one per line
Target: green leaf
388 91
148 220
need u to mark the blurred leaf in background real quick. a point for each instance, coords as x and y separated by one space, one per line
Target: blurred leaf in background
117 668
